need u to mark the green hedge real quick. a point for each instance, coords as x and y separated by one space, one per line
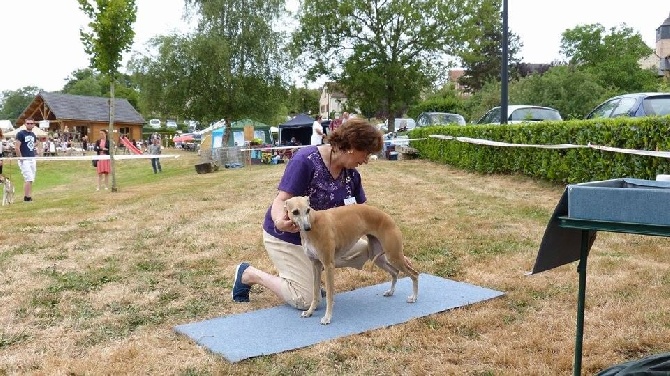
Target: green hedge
558 165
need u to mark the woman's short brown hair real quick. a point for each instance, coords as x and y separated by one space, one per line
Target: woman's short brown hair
357 134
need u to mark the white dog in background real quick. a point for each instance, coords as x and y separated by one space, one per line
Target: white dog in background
7 191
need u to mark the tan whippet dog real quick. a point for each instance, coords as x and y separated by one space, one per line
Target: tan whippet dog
328 233
7 191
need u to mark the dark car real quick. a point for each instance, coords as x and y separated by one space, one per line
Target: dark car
634 105
439 118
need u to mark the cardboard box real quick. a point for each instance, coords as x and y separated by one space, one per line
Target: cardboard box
621 200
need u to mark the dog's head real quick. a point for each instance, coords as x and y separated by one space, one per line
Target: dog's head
298 211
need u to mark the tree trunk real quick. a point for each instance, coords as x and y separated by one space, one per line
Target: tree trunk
112 145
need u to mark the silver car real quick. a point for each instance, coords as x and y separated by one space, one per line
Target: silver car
521 114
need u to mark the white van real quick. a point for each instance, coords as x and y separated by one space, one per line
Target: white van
155 123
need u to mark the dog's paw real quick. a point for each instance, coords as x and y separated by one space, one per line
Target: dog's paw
389 292
306 314
325 320
411 299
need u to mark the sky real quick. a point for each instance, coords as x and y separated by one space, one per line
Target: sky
41 46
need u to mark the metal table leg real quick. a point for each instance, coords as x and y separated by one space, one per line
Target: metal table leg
581 295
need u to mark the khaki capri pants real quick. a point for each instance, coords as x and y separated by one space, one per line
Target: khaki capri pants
295 268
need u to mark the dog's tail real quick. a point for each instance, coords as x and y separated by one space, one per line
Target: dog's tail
409 266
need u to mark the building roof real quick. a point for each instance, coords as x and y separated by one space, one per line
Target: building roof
666 22
79 107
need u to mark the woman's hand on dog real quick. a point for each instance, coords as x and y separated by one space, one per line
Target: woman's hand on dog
285 224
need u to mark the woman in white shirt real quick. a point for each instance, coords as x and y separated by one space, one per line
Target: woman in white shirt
317 132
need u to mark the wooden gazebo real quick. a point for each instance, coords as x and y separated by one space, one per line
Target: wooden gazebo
78 115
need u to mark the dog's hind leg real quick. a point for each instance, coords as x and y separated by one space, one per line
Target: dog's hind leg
379 259
407 268
398 262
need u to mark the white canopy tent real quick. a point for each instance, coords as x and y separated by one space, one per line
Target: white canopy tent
6 126
38 132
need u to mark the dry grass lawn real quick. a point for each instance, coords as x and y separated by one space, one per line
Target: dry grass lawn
94 282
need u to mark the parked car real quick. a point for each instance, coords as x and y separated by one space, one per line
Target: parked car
634 105
171 123
155 123
439 118
521 114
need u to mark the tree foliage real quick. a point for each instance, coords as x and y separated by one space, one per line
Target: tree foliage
231 67
445 99
14 102
111 32
85 82
302 100
482 55
612 56
383 52
571 91
89 82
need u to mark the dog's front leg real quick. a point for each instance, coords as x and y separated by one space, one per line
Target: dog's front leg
329 270
316 291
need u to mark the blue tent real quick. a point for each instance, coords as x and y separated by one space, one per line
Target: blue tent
261 131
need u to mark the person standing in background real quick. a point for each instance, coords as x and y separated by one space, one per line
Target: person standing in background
317 132
84 144
345 117
26 150
335 124
101 147
155 149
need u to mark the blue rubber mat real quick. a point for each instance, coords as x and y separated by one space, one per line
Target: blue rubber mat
273 330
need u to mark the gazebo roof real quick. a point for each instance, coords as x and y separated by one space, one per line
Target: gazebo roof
79 107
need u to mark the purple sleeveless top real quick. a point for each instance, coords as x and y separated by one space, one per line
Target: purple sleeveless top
306 174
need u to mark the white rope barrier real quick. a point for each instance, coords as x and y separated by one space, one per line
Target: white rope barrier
96 157
478 141
270 148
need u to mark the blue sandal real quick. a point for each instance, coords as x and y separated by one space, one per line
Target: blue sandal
240 291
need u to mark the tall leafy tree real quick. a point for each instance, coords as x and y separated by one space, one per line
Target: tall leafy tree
612 55
14 102
231 67
111 33
303 100
482 55
383 52
86 82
